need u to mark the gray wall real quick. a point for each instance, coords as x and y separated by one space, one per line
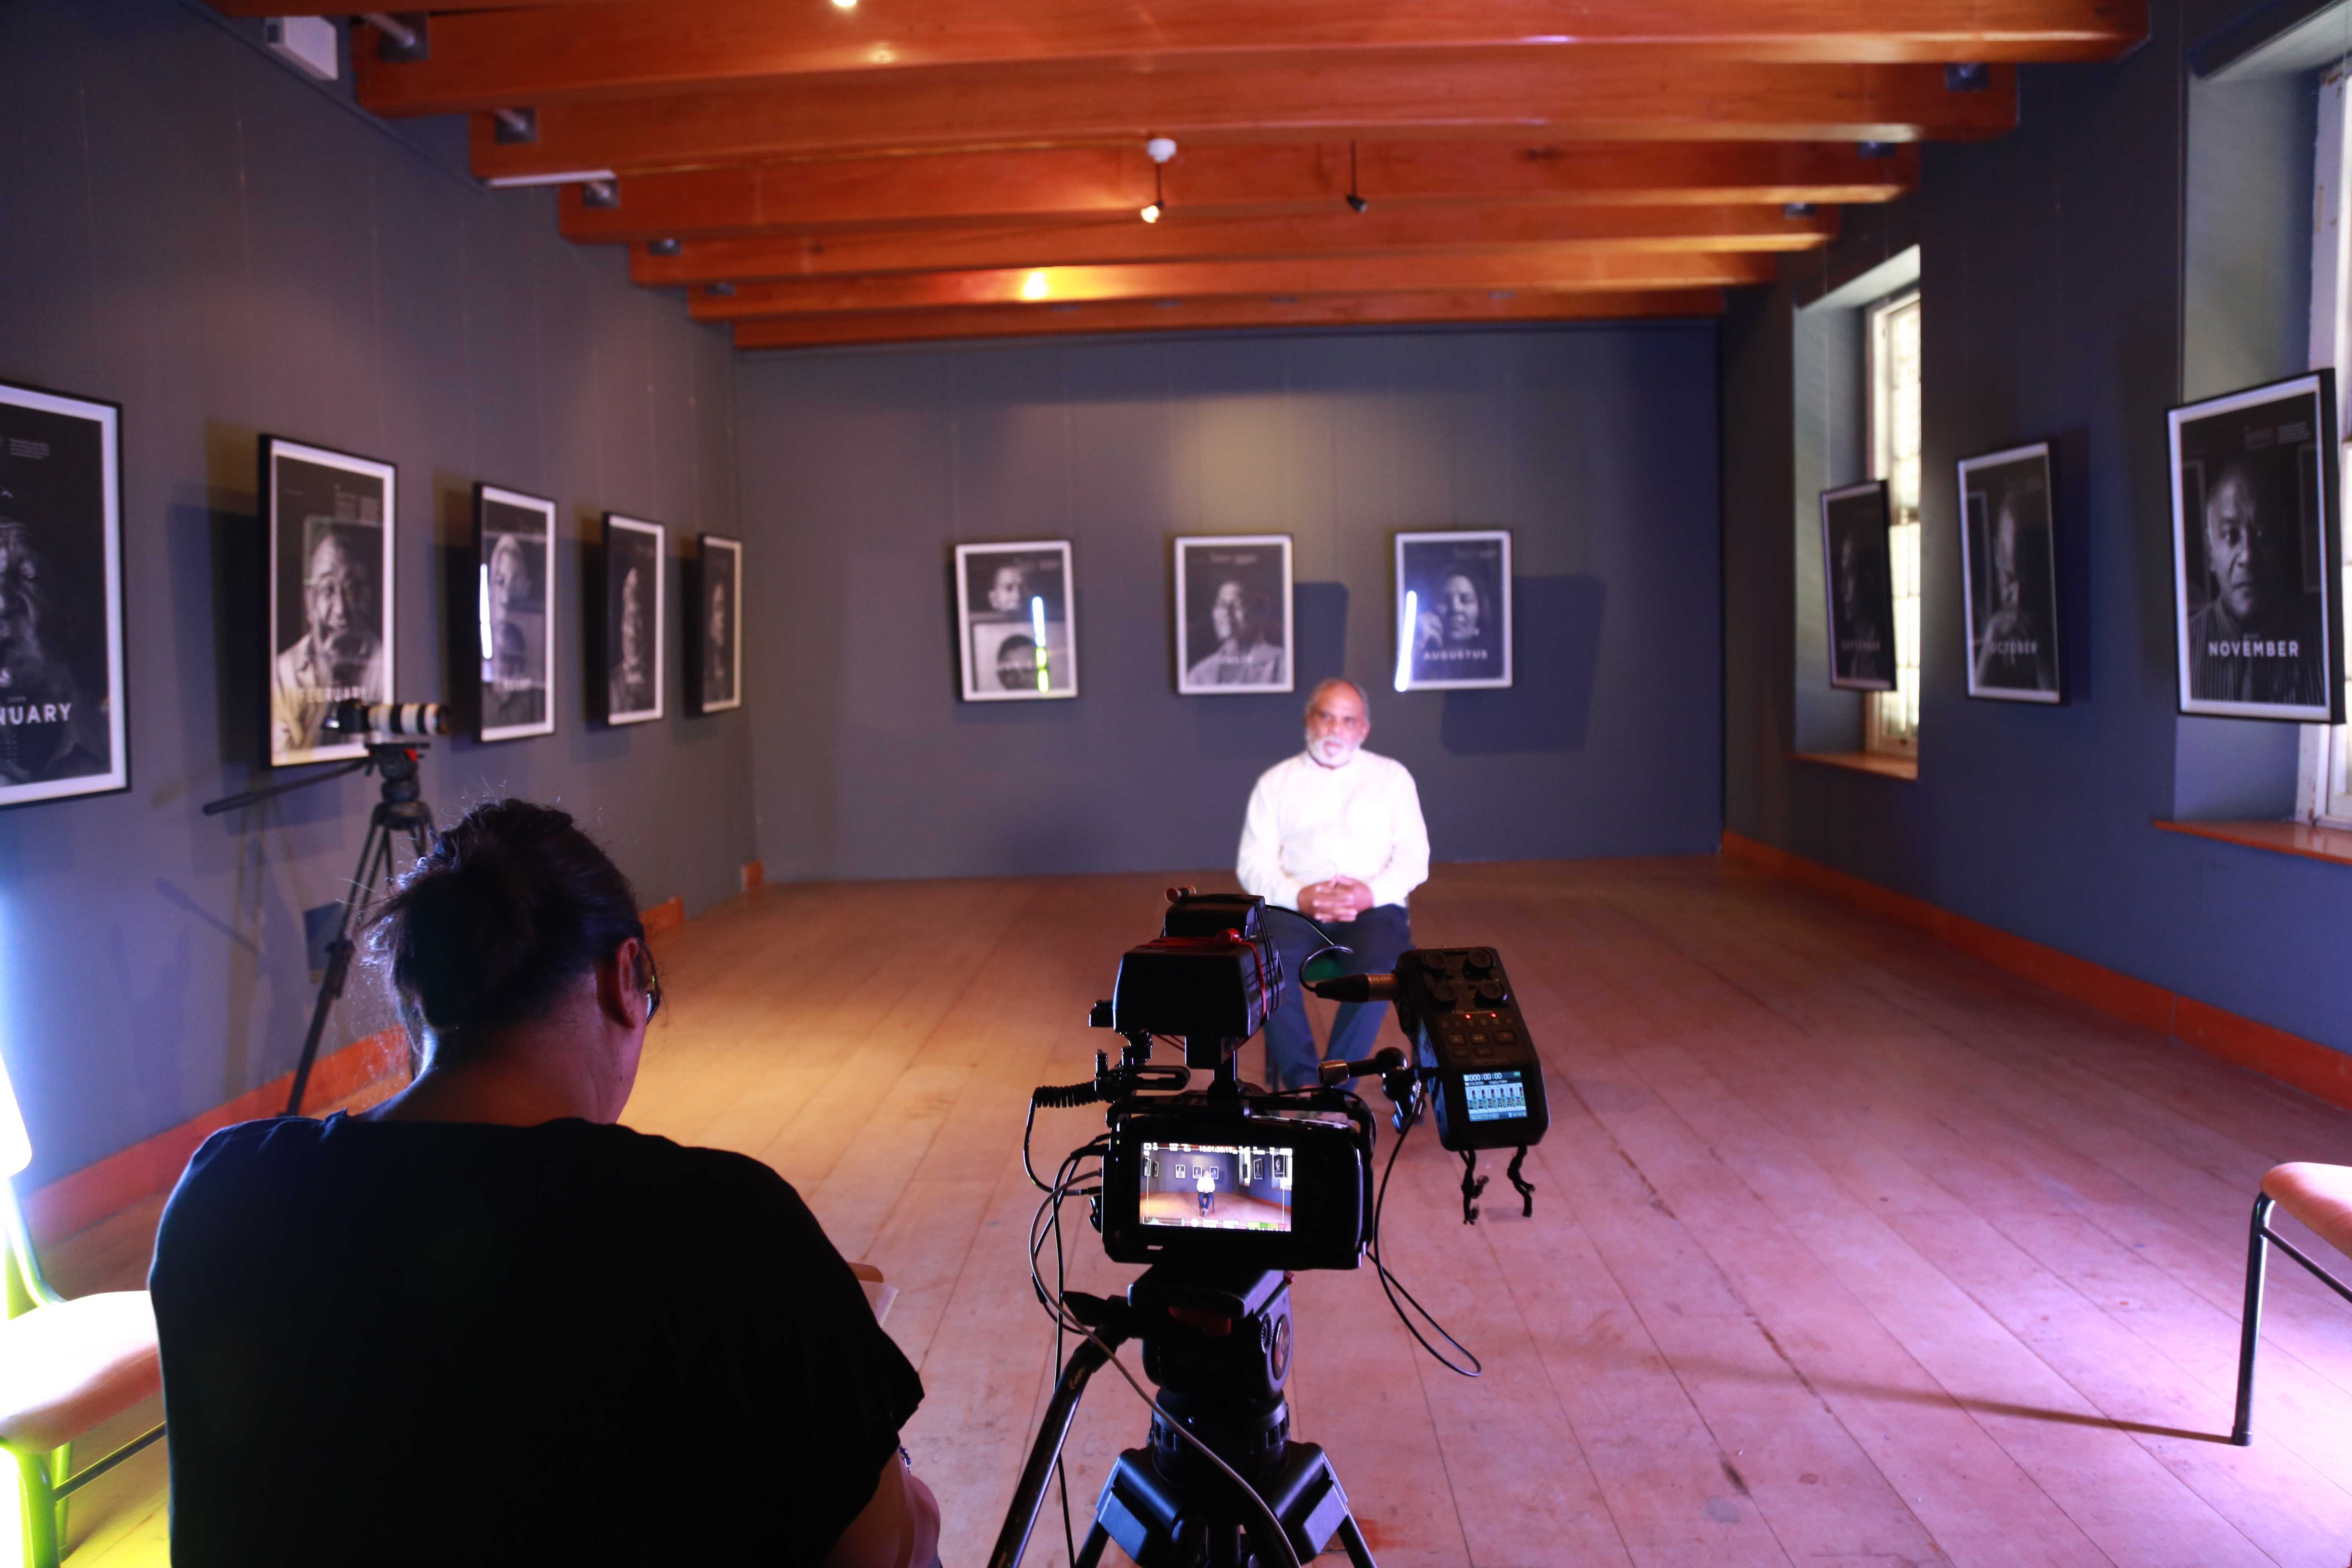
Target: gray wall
1595 446
192 230
2052 272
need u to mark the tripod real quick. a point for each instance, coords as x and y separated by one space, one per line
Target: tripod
1219 1348
400 809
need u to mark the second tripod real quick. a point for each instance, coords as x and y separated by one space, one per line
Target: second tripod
400 812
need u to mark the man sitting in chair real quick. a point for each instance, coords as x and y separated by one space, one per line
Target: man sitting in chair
1334 833
486 1324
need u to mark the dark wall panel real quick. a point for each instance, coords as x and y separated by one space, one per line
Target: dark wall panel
863 470
2052 276
196 232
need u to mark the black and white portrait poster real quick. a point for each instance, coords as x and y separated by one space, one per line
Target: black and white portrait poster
61 699
2254 539
331 599
1858 562
514 538
1232 615
2009 567
636 556
1453 610
716 633
1016 625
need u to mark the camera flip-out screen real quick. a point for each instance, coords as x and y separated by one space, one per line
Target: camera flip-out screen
1215 1186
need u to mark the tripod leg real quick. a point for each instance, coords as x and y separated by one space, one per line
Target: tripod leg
1090 1552
339 958
1351 1538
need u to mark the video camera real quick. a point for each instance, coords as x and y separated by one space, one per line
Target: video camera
1224 1191
1237 1177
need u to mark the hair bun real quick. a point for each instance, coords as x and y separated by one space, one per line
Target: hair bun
509 906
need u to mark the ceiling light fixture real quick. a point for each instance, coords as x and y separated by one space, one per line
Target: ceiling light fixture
1160 149
1033 286
844 4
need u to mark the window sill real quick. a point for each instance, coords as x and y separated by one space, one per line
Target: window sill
1885 767
2330 844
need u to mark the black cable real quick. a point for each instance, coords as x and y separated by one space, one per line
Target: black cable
1321 935
1392 1286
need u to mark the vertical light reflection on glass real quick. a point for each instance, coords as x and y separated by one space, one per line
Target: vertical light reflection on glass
483 601
1038 634
1404 638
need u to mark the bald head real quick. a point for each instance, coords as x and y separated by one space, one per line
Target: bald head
1324 688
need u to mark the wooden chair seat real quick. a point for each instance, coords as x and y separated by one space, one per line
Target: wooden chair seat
65 1368
2319 1195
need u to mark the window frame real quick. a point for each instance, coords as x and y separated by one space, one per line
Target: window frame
1886 730
2324 793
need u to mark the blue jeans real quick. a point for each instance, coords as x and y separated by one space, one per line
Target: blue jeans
1378 937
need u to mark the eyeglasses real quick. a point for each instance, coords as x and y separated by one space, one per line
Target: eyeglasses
651 979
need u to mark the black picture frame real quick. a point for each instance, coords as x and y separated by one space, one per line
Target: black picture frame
331 520
632 595
514 556
65 729
2262 636
714 627
2009 575
1858 587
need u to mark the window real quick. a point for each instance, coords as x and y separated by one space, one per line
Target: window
1891 343
2326 796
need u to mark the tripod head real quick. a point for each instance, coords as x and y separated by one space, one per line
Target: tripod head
378 726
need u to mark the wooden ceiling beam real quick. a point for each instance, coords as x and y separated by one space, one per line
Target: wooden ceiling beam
1623 95
1177 237
1030 288
482 60
1087 184
1481 306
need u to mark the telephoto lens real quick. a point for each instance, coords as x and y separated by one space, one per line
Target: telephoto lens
353 717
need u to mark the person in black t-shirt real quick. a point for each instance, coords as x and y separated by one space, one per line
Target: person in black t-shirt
483 1323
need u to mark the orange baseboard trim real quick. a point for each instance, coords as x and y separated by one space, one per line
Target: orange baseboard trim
668 915
755 875
80 1201
2299 1063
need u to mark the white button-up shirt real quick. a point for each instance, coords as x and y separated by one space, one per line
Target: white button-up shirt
1308 823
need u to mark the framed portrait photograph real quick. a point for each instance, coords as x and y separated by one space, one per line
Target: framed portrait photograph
715 636
514 549
1017 627
1232 615
331 520
636 593
1453 610
63 728
2009 575
1858 568
2256 540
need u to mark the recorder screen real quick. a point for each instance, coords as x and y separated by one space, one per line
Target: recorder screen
1217 1186
1494 1095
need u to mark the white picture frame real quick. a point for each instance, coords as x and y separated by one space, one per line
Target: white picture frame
1453 610
65 717
514 605
1236 627
332 520
714 633
634 609
2008 575
2269 642
1016 621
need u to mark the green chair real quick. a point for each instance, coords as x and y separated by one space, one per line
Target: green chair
65 1366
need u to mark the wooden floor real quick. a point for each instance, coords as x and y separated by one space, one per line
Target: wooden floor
1847 1250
